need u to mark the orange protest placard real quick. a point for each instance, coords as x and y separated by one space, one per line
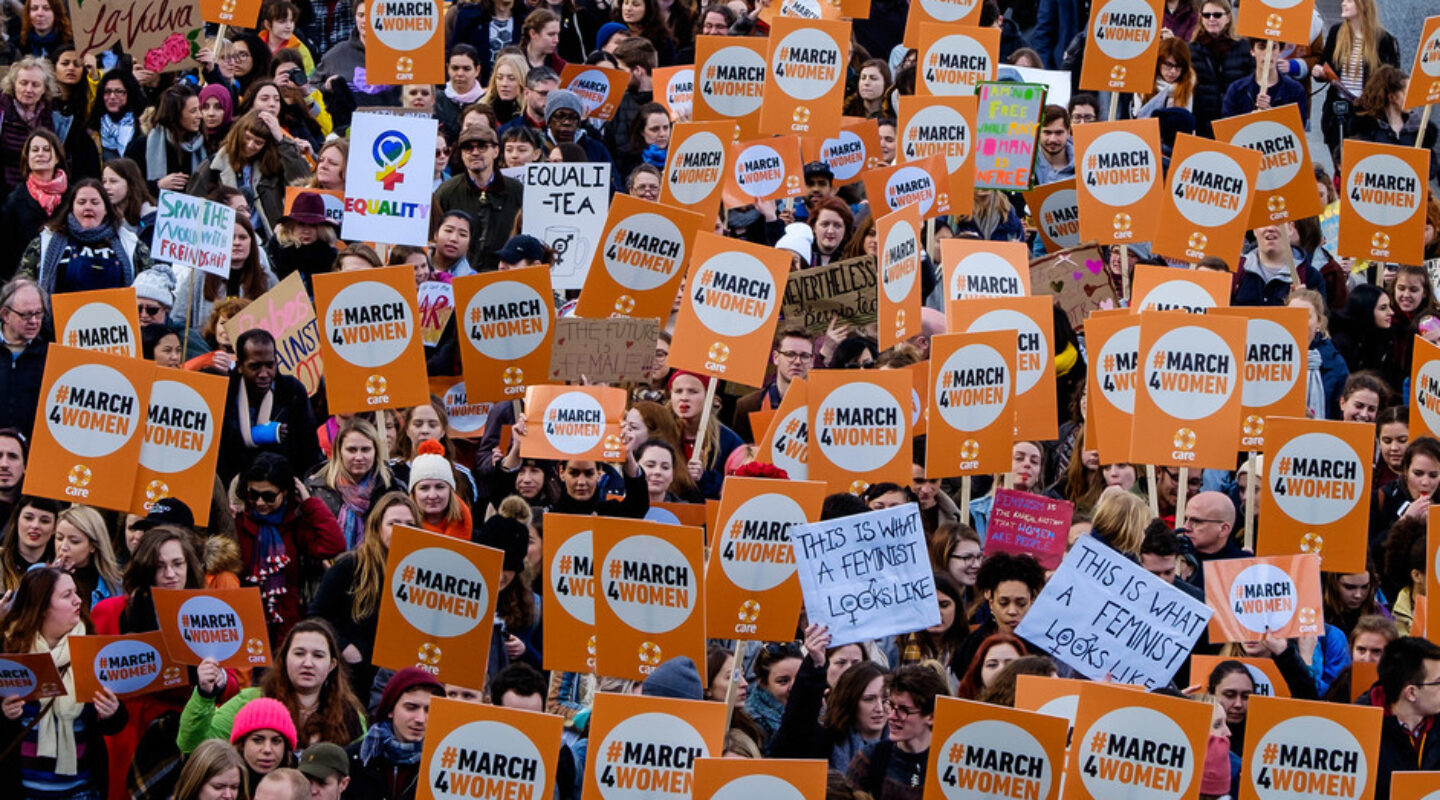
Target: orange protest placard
1307 748
924 184
1415 786
764 169
1056 697
1316 492
404 43
438 606
945 127
599 87
1118 179
850 152
980 748
1123 45
1382 203
956 12
1207 203
805 83
181 441
1424 86
675 89
574 422
227 625
1276 346
1252 597
89 426
786 442
1126 739
730 82
1114 339
236 13
1032 322
1055 212
799 9
752 591
972 396
129 665
741 778
1284 190
31 676
504 322
569 600
860 428
1263 672
1156 288
651 603
1425 394
101 321
729 309
370 339
898 251
476 750
1188 402
695 168
1277 20
954 59
642 254
975 269
628 734
1431 630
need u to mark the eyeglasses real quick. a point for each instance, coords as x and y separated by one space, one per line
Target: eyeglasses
28 316
791 355
115 91
1212 14
149 311
241 56
1193 521
1169 65
470 147
901 712
262 496
1083 118
967 558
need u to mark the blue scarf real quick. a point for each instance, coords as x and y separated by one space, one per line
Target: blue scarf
115 135
765 709
380 740
267 565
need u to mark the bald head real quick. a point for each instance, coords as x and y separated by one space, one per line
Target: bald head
1210 517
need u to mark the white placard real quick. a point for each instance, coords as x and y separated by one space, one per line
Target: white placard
389 178
193 232
565 208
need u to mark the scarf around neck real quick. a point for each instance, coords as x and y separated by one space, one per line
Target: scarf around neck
468 97
100 236
354 507
48 193
157 162
267 565
115 134
55 734
380 740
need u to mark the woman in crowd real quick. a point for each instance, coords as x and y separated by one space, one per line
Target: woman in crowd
1174 80
330 164
869 98
646 18
212 772
115 117
1009 584
82 548
1362 396
649 139
217 112
1027 474
938 642
85 246
354 478
503 93
125 187
1380 115
432 487
540 39
998 651
1404 570
258 159
1411 495
703 459
1326 367
172 146
1219 57
1392 434
1366 335
44 29
1355 48
955 550
248 278
775 669
430 422
264 735
161 344
667 479
305 239
516 604
38 196
833 224
29 537
830 719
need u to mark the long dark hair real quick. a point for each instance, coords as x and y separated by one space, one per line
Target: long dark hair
252 275
134 98
137 195
338 712
840 708
59 221
10 562
26 617
139 579
270 468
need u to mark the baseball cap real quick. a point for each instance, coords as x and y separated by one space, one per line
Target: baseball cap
166 511
323 759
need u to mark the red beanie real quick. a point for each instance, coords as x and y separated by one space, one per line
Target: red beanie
402 682
704 379
263 714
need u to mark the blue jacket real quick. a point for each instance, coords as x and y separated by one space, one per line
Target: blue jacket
1056 23
1240 97
1333 373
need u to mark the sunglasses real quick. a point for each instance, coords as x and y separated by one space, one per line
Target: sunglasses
1212 14
149 310
261 496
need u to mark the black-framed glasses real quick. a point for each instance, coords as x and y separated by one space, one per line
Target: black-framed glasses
262 496
901 712
794 356
470 147
28 316
1193 521
966 558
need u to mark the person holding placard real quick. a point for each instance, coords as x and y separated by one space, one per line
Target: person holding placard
249 277
1403 568
853 715
1027 474
895 769
1411 496
1380 115
1267 273
1264 89
705 459
64 750
354 478
1220 58
385 765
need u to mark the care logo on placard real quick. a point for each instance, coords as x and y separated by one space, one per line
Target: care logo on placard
1316 478
127 666
900 261
391 152
1384 190
860 426
370 324
506 321
957 62
1427 393
1124 29
509 765
1190 373
593 87
179 428
1209 190
755 549
1178 295
211 628
1264 598
1118 167
759 170
1272 363
993 758
92 410
16 679
790 450
937 130
1138 753
645 250
696 169
648 756
1306 757
807 64
1279 150
574 422
439 594
984 274
732 81
572 575
1031 344
911 184
845 154
972 390
1060 217
734 294
99 328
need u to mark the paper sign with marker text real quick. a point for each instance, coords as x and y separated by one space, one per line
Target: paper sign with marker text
924 184
786 442
1382 202
898 251
730 82
642 255
1195 291
1033 322
1276 348
1118 179
1134 744
1276 20
751 589
843 290
1252 597
505 322
182 441
954 59
580 422
979 745
370 338
194 232
1210 188
286 313
1113 339
1021 522
805 82
31 676
1285 190
944 127
764 169
1424 86
1305 748
1316 494
977 269
1188 399
101 321
628 735
1123 45
130 666
971 384
1008 134
569 599
477 750
729 309
695 167
404 42
1263 673
599 87
751 778
651 603
859 427
227 625
1055 214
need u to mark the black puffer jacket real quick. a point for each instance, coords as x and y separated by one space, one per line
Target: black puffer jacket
1218 63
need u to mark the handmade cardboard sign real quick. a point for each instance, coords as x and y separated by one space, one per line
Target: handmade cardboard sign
841 289
729 309
569 599
1033 322
764 169
1194 291
1276 346
945 127
181 441
630 735
574 422
1008 133
1424 88
101 321
1253 597
1316 492
860 427
898 249
1118 180
786 442
1077 280
1263 673
1187 407
1123 46
954 59
750 778
477 750
1114 339
1055 214
227 625
438 606
130 666
1136 744
976 269
565 208
1207 205
1382 203
285 313
751 588
370 338
194 232
599 87
730 83
169 41
805 84
1285 190
651 603
1021 522
437 306
404 42
1277 20
1088 612
984 750
1304 748
31 676
608 350
971 384
642 255
505 328
695 167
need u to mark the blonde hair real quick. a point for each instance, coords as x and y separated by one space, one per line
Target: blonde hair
514 507
517 64
52 86
370 556
102 555
211 758
335 469
1121 518
1369 43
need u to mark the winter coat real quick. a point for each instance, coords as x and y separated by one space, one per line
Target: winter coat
1216 68
308 530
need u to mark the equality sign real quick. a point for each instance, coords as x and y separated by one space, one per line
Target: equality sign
1382 202
1252 597
477 750
1276 346
645 748
866 576
1008 132
976 269
574 422
944 127
404 43
1207 205
1285 190
286 313
1316 492
391 171
1114 339
194 232
651 603
505 321
1118 180
1188 404
695 167
100 320
1136 745
898 250
599 88
1021 522
1123 45
972 388
181 441
860 427
1055 210
88 426
227 625
843 289
729 309
1111 620
806 80
643 251
1277 20
370 338
438 606
1032 321
565 207
749 778
786 443
983 750
1304 748
1424 86
31 676
954 59
764 169
752 592
130 665
730 83
1194 291
569 599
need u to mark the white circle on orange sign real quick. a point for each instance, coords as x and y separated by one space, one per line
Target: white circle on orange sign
16 679
645 250
1125 28
402 24
751 787
370 324
759 170
738 296
910 184
180 428
806 64
1117 168
643 735
899 261
994 276
1316 478
1209 188
1196 373
127 666
981 748
1264 598
750 537
948 10
961 58
439 594
89 320
649 584
1384 190
730 81
845 154
696 167
491 754
1029 334
574 422
592 86
92 410
573 565
1117 383
1293 746
1113 742
973 388
506 320
1267 382
937 130
1060 217
210 627
860 427
790 447
1273 141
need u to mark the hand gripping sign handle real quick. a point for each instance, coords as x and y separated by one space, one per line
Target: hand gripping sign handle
1250 502
695 456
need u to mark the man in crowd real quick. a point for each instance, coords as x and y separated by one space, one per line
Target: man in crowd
1057 153
327 767
12 469
539 83
1409 691
1209 521
266 412
492 200
636 56
22 310
895 769
565 122
385 764
1083 107
792 355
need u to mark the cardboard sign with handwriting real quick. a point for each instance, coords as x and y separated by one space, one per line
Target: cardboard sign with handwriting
370 335
227 625
1382 202
1078 280
101 320
505 322
478 750
1122 46
1252 597
840 289
1032 322
599 87
1211 187
1316 492
859 427
130 666
972 391
980 744
695 165
1008 121
1285 190
729 309
1118 180
642 255
286 313
182 441
651 603
1188 401
574 422
898 249
805 84
608 350
1021 522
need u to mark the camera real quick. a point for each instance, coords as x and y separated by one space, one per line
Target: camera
297 77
